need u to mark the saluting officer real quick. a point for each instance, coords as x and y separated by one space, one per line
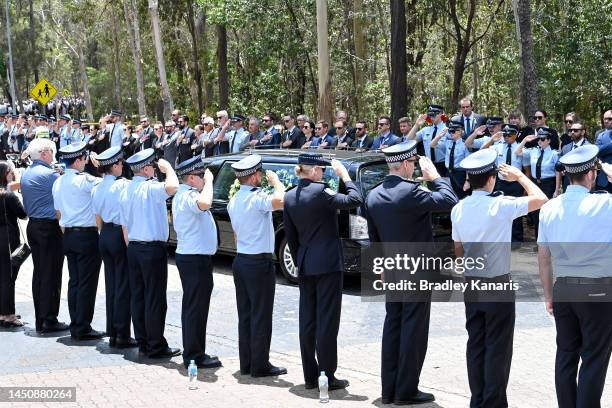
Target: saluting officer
576 232
456 150
72 200
399 210
490 316
113 248
144 218
250 212
196 235
311 227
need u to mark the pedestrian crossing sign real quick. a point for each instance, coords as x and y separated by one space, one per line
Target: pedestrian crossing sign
43 92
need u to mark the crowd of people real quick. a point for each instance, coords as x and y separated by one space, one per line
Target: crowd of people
85 211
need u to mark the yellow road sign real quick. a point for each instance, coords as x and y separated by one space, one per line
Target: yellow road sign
43 92
66 92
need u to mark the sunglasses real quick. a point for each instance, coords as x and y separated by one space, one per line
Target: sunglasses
287 120
608 119
508 134
306 127
219 117
266 120
575 130
569 122
382 124
538 117
340 128
318 128
143 121
359 129
541 139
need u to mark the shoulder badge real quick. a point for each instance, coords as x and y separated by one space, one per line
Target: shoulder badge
599 192
89 178
253 189
330 191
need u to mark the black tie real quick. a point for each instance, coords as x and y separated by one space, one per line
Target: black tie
539 165
509 155
432 151
468 127
451 159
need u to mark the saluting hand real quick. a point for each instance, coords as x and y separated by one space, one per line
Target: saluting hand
607 168
530 138
480 130
428 169
208 176
272 178
497 137
164 165
421 120
340 170
510 173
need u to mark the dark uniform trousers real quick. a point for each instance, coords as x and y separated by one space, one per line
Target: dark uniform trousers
320 308
255 286
584 334
547 185
197 281
117 281
490 327
83 256
513 189
457 179
45 240
404 346
148 264
9 240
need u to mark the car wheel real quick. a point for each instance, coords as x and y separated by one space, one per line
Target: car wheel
285 260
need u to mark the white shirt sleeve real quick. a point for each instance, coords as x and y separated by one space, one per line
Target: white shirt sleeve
511 208
263 202
158 191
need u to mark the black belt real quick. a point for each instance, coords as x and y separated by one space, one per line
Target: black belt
111 225
545 180
81 229
45 220
148 243
257 256
585 281
500 278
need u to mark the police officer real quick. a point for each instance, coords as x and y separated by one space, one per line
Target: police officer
490 316
250 212
311 228
436 124
44 235
399 210
455 151
486 135
574 243
196 235
64 131
72 199
115 131
105 200
144 218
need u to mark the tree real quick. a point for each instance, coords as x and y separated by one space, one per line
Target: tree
326 102
133 28
399 84
159 55
116 67
222 66
528 84
359 30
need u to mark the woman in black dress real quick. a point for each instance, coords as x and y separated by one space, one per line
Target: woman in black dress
10 210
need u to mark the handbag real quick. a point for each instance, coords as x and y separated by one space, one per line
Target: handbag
21 253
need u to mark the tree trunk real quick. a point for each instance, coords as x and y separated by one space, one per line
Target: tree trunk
359 28
325 105
222 67
202 33
116 67
195 54
161 62
133 29
399 85
528 85
33 40
84 80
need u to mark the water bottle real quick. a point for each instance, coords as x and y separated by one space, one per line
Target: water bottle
192 371
323 386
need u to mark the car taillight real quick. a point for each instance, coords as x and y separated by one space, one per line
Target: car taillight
358 227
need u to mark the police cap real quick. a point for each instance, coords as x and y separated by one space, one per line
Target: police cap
480 162
580 160
73 150
400 152
247 166
313 159
141 159
190 166
110 156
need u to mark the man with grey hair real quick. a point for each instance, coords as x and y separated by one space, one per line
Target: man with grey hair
221 142
255 134
167 143
44 235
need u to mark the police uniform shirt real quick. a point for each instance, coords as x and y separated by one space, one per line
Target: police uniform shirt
495 215
426 135
143 210
236 138
36 185
250 211
196 231
478 143
116 134
579 219
461 152
549 160
72 198
502 149
106 196
65 139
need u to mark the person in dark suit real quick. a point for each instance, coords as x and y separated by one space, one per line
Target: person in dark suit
362 141
293 137
385 137
399 210
311 228
470 119
577 132
146 135
605 155
539 120
184 140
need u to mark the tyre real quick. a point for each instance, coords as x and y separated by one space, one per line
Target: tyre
286 263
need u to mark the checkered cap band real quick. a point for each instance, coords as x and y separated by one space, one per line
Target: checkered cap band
73 155
400 157
141 165
248 172
580 168
194 166
111 160
484 169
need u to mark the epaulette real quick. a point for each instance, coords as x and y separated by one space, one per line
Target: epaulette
290 188
496 193
599 192
253 189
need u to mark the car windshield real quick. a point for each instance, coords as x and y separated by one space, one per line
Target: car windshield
370 176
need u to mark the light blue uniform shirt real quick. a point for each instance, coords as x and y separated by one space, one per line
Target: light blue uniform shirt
116 134
502 149
72 198
36 190
143 210
196 232
236 138
550 159
106 197
577 228
250 211
461 152
65 136
478 143
425 135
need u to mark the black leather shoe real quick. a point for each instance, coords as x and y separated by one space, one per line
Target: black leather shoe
92 335
209 362
386 400
420 398
310 386
271 372
245 372
337 384
167 353
54 327
123 342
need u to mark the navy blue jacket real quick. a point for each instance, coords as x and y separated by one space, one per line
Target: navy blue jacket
311 225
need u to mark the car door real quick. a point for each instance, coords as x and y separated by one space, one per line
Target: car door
223 183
